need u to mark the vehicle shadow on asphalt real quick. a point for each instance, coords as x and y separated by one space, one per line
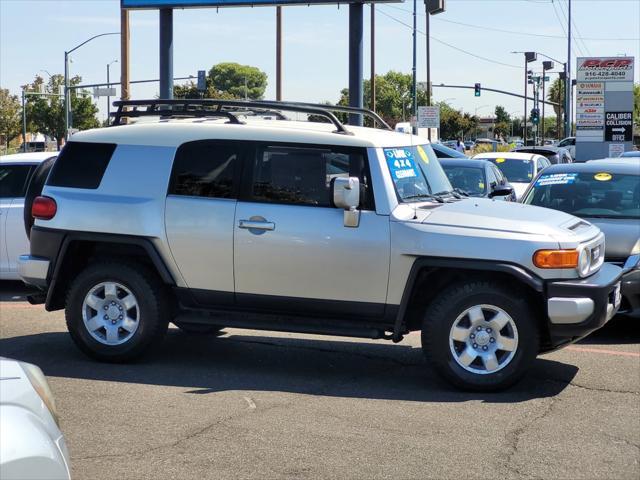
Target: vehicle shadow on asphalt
620 330
350 368
13 291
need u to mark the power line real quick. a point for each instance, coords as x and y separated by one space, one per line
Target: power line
575 46
448 44
513 32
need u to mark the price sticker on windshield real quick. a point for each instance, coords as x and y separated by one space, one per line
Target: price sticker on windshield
556 179
401 163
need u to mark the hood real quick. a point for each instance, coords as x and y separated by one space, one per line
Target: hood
622 236
509 217
519 188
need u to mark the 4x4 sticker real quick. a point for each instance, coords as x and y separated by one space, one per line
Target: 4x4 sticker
400 162
556 179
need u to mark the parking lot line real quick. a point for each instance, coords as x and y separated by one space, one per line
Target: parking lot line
606 352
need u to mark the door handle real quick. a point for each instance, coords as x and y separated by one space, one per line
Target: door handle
256 225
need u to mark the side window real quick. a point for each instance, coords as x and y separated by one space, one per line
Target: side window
302 175
502 180
81 165
206 169
13 180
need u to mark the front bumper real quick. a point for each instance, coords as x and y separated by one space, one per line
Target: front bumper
579 306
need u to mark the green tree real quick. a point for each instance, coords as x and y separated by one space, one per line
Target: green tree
227 81
10 111
393 96
45 114
556 94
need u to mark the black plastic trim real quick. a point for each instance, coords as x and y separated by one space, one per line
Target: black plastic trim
514 270
599 287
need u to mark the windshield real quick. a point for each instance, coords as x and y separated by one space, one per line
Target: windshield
416 172
516 170
470 179
599 194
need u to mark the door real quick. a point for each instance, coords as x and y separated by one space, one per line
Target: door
13 239
199 215
292 250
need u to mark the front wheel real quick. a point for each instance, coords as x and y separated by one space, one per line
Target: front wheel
480 335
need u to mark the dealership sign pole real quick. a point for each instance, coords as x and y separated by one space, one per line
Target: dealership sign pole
604 106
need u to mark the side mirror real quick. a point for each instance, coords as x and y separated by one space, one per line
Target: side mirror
501 191
345 193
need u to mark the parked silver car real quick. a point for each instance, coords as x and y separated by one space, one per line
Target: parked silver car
213 217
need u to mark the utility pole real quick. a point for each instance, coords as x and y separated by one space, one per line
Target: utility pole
24 124
414 81
108 87
428 34
279 53
372 83
568 87
125 93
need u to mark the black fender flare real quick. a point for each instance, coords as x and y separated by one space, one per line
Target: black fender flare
69 237
517 271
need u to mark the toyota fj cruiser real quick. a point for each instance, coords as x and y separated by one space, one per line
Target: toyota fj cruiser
231 214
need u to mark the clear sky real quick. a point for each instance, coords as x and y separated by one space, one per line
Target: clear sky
35 33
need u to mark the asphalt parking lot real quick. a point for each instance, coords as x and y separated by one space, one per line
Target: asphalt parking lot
251 404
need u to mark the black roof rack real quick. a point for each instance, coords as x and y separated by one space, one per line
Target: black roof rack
230 109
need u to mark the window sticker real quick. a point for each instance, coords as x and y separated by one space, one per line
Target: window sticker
556 179
603 176
500 160
400 162
481 185
530 175
423 154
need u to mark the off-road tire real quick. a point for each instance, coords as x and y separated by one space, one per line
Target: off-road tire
151 297
441 315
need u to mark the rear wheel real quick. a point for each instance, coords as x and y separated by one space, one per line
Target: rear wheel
480 336
115 311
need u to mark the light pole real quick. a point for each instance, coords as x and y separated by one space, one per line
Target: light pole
108 87
67 100
431 7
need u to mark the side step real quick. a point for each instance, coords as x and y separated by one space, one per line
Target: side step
284 323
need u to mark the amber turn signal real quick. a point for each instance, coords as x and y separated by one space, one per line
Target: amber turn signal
556 258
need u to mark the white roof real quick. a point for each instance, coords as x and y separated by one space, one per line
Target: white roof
29 157
172 133
509 155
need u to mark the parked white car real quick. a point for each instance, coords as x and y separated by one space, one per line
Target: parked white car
519 168
31 444
15 172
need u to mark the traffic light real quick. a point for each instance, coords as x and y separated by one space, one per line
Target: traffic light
535 116
530 76
477 90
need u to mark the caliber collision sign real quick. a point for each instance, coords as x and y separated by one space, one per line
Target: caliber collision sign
618 127
604 100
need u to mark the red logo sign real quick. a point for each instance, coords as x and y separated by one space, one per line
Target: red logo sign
608 64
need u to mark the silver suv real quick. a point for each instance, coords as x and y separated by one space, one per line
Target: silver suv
232 214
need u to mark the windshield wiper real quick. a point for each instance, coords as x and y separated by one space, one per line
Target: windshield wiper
436 197
455 193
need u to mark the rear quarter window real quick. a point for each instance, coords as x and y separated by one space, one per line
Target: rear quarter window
81 165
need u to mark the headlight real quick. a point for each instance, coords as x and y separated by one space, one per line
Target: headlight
584 262
556 259
40 385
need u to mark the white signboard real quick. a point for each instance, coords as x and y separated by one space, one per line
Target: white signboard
605 69
104 92
428 117
616 149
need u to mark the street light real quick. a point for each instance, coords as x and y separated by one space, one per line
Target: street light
108 87
67 100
